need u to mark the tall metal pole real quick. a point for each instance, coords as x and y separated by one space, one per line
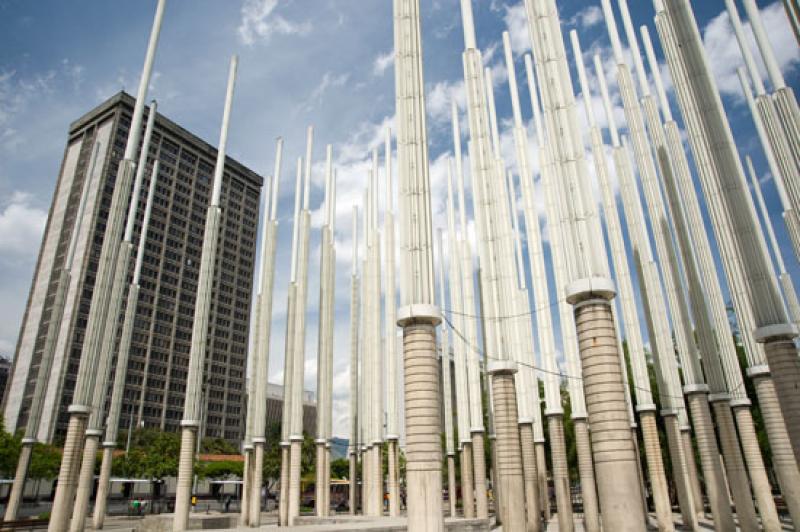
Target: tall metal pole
354 356
732 212
112 422
289 353
645 405
494 232
82 400
48 351
325 339
472 451
192 405
589 288
418 314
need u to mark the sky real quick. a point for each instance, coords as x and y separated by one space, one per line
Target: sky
324 62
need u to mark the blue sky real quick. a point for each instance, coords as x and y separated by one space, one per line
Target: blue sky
323 62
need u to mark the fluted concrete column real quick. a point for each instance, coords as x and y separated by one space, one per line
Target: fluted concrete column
755 465
467 496
680 471
319 487
479 476
423 448
558 450
451 483
614 455
591 516
541 471
283 502
533 517
709 461
691 467
509 457
183 491
293 509
103 488
655 468
785 465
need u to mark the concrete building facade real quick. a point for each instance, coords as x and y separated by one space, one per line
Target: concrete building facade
156 379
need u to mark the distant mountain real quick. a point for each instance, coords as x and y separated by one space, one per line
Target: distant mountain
339 448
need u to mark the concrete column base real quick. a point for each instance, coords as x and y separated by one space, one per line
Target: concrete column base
183 491
784 366
18 488
612 449
479 476
467 487
738 480
655 470
327 493
423 422
295 451
680 471
541 471
532 513
80 508
591 515
283 502
255 484
785 465
319 486
451 484
691 467
509 456
103 487
755 466
244 513
67 474
639 472
393 485
709 462
558 454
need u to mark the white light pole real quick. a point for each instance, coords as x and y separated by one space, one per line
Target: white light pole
418 314
192 410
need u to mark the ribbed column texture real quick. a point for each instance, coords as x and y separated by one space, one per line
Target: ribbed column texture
183 492
423 447
258 479
352 502
451 483
680 472
70 462
467 497
479 476
591 517
319 487
295 448
784 366
755 465
709 462
244 515
691 467
558 451
509 457
783 459
655 470
15 496
394 487
283 508
85 484
541 472
532 511
612 448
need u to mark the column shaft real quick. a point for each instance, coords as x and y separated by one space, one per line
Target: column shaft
283 502
294 481
479 476
558 450
691 466
680 472
351 503
394 488
541 471
655 469
531 478
784 366
183 492
467 495
509 457
70 462
18 488
244 514
591 516
255 490
103 488
451 484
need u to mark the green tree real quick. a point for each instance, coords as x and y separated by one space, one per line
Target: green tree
340 468
217 470
217 446
10 446
45 462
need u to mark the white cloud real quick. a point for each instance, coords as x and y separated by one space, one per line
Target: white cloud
586 17
259 22
21 227
517 23
382 63
328 81
725 56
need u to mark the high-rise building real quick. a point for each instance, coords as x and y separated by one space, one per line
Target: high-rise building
156 380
